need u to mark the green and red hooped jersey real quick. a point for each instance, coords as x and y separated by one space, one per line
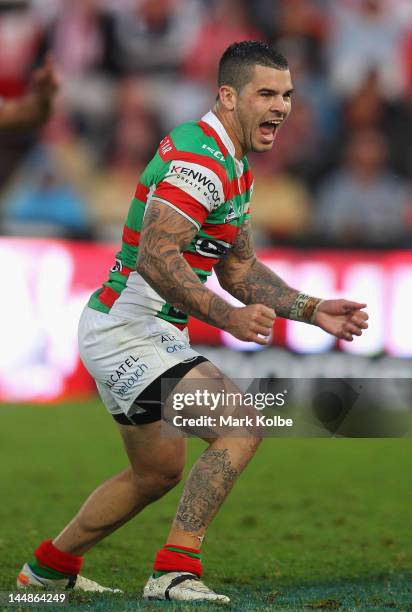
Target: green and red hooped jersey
195 172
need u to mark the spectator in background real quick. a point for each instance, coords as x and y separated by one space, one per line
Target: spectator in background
407 49
21 38
281 209
116 55
303 19
153 35
313 87
80 34
78 20
367 36
134 137
44 202
146 40
363 203
136 133
366 109
35 107
227 22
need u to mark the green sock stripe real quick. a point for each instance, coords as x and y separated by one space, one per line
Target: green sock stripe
46 572
158 574
184 552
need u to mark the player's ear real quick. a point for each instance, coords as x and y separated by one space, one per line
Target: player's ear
227 97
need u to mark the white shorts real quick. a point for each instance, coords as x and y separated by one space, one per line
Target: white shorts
124 357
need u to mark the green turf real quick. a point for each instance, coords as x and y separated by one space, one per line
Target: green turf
311 524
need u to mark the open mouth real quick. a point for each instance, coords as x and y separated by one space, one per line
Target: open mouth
268 130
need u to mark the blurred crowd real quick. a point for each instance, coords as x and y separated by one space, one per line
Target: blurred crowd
340 173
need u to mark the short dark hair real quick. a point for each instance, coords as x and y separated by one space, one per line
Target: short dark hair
237 62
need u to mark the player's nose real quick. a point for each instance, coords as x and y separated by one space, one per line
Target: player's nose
279 105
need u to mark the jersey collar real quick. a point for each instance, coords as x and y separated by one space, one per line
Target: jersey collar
211 119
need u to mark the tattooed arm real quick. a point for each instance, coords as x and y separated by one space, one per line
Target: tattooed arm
165 234
250 281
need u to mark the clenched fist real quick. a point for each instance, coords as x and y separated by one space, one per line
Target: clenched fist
252 323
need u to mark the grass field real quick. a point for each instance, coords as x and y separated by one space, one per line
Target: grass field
311 524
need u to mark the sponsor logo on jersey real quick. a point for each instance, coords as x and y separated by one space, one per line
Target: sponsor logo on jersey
126 375
168 338
218 154
236 211
232 213
131 380
121 369
195 176
211 248
165 146
117 267
173 348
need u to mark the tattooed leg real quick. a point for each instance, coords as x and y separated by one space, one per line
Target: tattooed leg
207 486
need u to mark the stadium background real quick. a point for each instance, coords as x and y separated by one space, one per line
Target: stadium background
332 212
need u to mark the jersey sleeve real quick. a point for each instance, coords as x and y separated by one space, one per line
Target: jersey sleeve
194 185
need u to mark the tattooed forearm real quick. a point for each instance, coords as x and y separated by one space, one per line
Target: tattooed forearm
164 235
262 286
208 484
250 281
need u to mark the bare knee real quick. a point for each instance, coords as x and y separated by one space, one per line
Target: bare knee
155 483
